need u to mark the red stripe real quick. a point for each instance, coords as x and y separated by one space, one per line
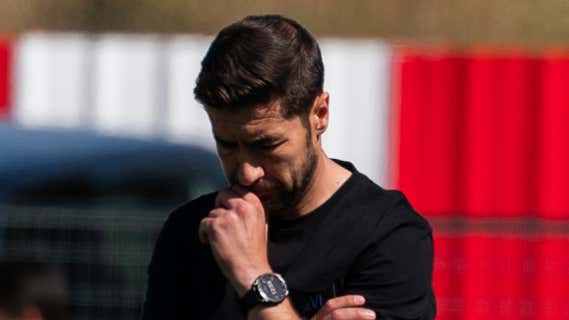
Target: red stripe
440 121
410 144
515 112
483 135
429 93
5 77
479 147
552 189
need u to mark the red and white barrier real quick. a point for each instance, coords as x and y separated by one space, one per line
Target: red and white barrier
478 141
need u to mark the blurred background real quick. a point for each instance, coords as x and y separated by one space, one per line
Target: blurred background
464 105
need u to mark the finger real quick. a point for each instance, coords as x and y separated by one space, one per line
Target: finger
220 194
346 301
239 189
217 212
239 199
350 314
204 230
245 193
248 196
224 198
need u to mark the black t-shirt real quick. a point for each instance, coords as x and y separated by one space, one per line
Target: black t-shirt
363 240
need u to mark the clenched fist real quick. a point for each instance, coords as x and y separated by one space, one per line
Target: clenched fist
237 233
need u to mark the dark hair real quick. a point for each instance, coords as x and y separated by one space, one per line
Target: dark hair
26 283
258 59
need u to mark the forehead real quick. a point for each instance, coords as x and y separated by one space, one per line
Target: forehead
251 122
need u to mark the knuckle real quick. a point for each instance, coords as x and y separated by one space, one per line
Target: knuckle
205 226
232 216
213 213
240 206
217 224
250 196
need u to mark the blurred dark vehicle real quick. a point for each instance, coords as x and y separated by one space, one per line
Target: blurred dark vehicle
94 205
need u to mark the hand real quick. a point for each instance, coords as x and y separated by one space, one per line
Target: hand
237 232
347 307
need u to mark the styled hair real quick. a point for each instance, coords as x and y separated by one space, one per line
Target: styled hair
260 59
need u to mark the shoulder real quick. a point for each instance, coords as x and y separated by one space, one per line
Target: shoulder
193 211
394 269
180 229
381 211
187 217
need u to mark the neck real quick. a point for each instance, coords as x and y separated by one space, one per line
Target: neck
328 178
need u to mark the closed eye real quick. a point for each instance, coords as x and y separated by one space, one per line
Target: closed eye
269 147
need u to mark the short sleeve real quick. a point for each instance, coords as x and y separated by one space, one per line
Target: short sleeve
394 272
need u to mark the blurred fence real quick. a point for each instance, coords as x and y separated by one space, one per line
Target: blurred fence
104 252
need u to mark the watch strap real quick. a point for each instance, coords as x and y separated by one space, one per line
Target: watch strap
250 299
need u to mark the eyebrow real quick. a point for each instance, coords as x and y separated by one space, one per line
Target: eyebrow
257 141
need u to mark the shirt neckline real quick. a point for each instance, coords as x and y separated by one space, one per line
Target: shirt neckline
281 224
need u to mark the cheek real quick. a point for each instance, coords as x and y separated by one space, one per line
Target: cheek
282 169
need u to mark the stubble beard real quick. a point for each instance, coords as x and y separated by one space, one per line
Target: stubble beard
301 180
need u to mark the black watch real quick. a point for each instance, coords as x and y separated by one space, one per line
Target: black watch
268 289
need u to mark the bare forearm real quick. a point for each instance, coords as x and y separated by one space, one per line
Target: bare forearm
348 307
283 310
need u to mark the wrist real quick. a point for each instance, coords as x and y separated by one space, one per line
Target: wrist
244 280
268 290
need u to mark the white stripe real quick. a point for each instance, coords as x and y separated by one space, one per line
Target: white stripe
187 121
126 96
357 77
51 84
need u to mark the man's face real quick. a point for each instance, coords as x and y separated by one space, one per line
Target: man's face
271 156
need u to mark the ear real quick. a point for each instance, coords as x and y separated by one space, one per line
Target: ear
319 114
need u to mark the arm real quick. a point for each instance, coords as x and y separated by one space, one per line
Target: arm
395 271
349 307
237 233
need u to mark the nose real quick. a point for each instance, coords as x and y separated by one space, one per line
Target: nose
248 174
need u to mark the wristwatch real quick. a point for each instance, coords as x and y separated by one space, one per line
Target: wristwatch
268 289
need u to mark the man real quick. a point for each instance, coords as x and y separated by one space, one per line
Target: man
297 234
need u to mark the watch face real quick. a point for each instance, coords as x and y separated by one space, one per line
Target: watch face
272 287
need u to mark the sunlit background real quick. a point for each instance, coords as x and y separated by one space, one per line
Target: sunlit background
463 105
